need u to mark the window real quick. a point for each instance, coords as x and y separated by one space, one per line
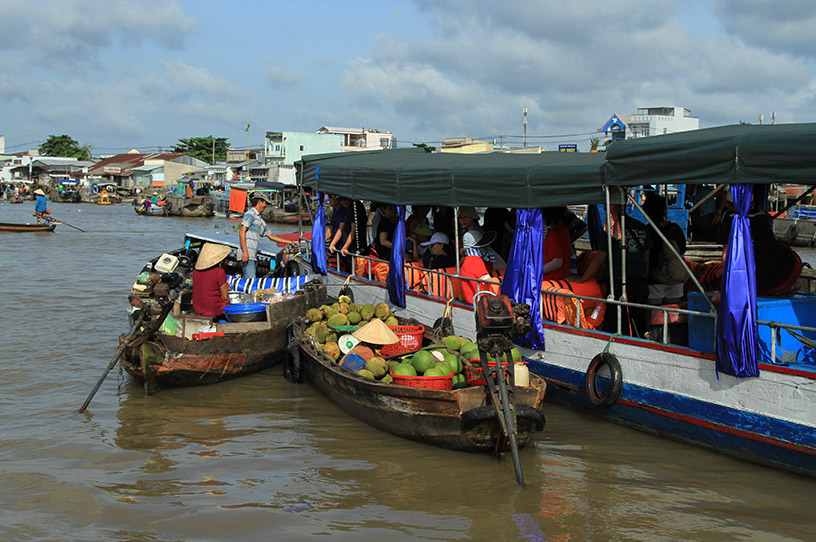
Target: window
385 143
301 148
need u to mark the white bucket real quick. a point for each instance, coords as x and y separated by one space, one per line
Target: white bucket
521 375
167 263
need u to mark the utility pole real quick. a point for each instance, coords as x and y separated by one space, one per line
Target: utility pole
213 149
525 128
247 151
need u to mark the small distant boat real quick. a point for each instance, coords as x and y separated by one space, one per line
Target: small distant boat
10 227
153 210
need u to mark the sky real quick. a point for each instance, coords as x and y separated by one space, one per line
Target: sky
124 74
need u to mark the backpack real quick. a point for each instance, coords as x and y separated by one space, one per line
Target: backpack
670 270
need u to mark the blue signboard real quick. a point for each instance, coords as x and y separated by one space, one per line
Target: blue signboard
571 147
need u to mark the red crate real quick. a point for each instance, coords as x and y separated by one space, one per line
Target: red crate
477 378
410 340
444 383
199 336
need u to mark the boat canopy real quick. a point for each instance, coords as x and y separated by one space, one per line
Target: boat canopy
417 177
739 154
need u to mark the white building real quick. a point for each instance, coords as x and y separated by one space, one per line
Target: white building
361 139
650 121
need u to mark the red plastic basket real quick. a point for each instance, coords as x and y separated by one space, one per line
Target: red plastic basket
477 378
444 383
410 340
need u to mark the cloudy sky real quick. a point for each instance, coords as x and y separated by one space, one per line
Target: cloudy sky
122 74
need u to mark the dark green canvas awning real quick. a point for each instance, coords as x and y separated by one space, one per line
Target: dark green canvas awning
413 176
780 153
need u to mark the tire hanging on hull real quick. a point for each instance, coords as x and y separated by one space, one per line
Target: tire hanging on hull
616 380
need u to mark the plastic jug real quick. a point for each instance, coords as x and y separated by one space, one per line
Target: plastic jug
521 375
167 263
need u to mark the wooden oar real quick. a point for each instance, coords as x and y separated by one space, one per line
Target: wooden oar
113 361
55 221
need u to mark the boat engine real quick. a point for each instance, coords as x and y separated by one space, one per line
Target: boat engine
498 322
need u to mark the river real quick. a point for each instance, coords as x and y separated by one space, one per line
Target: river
261 458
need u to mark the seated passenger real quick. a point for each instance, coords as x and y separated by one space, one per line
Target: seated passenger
383 240
667 276
564 310
438 255
557 248
210 290
477 262
777 266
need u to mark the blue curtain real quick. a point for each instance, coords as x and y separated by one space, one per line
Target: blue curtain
737 334
319 238
396 271
524 274
595 227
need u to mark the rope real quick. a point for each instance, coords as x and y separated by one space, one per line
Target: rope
609 342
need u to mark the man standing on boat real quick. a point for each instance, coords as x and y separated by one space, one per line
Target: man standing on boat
41 206
253 227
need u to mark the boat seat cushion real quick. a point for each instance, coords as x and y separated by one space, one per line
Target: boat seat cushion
290 284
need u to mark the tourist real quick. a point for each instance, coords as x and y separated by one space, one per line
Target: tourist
253 227
469 221
477 262
443 221
357 233
665 284
557 248
438 255
210 289
383 240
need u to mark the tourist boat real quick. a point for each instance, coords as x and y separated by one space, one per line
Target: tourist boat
661 388
69 193
185 349
10 227
460 419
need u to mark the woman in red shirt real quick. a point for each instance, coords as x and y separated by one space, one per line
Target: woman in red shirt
557 246
477 262
210 290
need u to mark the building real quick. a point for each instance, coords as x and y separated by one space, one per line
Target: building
42 169
283 149
650 121
139 169
465 145
361 139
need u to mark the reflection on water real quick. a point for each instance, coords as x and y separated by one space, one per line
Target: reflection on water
257 455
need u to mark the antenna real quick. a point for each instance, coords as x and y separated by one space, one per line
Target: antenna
773 117
525 126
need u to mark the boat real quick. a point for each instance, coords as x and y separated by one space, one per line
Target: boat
457 419
172 347
660 387
190 207
108 198
69 192
153 210
10 227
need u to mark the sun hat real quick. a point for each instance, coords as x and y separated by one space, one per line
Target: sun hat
211 254
424 230
438 237
39 192
376 332
469 211
260 195
475 239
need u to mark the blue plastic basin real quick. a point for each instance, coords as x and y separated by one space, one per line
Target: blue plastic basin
246 312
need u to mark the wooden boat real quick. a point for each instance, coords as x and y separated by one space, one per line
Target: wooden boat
459 420
192 207
9 227
153 210
158 358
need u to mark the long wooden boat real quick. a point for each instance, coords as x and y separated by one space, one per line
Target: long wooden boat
10 227
671 390
192 207
167 361
153 210
184 356
459 420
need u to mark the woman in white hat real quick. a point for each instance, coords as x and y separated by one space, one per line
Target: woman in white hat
41 206
477 262
210 290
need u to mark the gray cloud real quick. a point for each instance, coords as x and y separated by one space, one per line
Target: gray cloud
277 77
784 26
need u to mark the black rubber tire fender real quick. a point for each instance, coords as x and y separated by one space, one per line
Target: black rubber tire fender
616 376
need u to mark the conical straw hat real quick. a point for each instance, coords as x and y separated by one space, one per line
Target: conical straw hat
39 192
376 332
211 254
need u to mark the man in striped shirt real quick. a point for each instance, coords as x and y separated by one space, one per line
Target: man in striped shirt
253 227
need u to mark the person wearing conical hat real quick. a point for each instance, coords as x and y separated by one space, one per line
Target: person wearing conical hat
377 333
210 290
41 206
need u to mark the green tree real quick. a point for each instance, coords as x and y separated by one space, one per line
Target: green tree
209 149
65 146
428 148
594 142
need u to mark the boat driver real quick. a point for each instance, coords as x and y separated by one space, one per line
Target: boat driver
253 227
